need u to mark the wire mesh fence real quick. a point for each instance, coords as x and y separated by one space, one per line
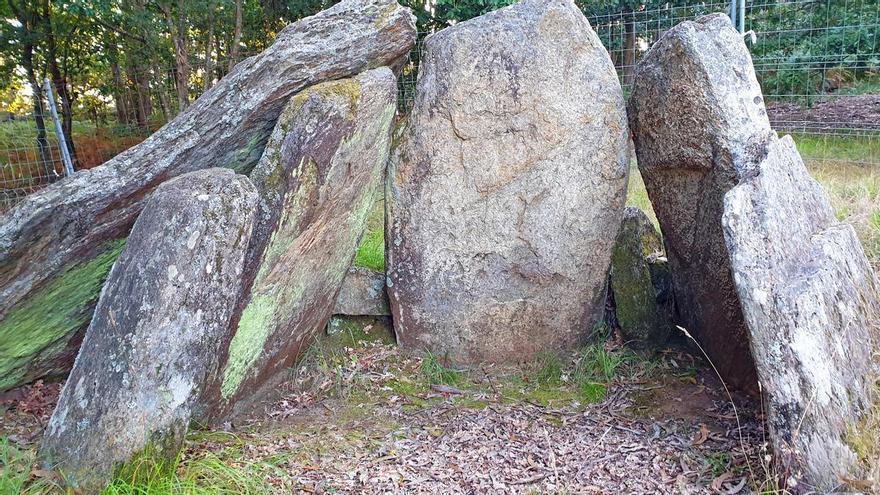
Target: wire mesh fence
817 62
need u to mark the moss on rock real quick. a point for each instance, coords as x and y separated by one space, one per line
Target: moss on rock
38 329
641 317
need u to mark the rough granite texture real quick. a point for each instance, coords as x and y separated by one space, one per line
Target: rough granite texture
318 179
77 220
809 296
697 116
507 190
362 294
157 329
645 318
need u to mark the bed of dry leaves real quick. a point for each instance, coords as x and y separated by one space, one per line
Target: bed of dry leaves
364 420
357 430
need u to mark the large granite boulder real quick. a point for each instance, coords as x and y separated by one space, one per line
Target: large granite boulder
157 330
57 245
697 114
318 180
644 311
809 297
507 190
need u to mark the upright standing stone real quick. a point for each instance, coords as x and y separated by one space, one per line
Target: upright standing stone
697 114
644 316
809 296
157 330
507 190
57 244
318 180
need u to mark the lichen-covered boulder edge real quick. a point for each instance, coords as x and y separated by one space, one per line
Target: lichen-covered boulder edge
57 245
318 180
644 318
696 113
507 190
809 296
157 329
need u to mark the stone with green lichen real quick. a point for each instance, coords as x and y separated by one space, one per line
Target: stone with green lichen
318 179
644 313
35 334
67 223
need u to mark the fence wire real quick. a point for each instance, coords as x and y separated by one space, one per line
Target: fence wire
818 62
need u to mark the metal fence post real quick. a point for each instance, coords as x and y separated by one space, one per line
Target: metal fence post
742 16
62 142
732 13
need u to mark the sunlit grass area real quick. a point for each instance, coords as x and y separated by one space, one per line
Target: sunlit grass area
371 252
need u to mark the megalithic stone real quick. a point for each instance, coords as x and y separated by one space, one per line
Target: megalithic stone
696 112
57 245
810 298
644 315
157 331
508 187
318 179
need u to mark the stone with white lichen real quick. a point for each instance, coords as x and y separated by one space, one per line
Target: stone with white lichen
810 299
157 330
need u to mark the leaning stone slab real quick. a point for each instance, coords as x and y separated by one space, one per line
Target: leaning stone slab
644 316
362 294
157 329
57 245
810 299
318 180
697 116
506 192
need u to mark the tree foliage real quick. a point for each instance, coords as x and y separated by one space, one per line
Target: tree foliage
137 63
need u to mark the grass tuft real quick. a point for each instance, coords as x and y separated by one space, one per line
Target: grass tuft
435 373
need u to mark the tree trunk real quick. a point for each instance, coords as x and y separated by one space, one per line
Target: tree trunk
138 76
236 38
138 72
39 121
177 30
59 82
28 19
68 232
629 48
209 45
122 114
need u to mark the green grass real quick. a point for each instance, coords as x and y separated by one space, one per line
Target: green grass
838 149
15 467
205 474
865 85
201 474
435 373
371 252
